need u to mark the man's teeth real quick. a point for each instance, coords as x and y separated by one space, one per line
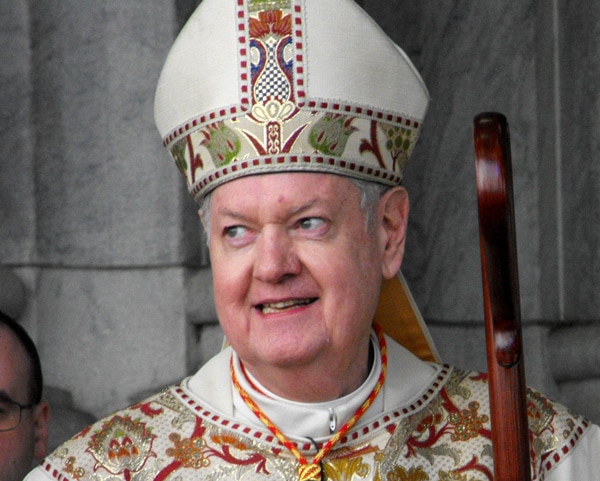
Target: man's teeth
281 306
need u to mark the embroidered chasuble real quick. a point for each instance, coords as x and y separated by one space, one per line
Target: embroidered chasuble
436 428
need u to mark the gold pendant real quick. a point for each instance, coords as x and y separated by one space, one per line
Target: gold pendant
309 472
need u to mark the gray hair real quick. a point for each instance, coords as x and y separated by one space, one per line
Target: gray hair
370 194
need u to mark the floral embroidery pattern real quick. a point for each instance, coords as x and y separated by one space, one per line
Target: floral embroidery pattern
346 468
178 154
226 439
444 436
70 468
468 423
539 412
452 476
399 142
277 121
412 474
436 433
234 451
271 68
222 143
122 445
330 134
189 452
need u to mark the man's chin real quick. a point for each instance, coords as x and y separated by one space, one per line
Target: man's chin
291 357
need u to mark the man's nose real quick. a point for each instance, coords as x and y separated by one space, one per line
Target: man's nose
276 257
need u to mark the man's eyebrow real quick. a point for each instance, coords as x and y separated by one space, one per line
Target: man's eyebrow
307 205
232 213
296 210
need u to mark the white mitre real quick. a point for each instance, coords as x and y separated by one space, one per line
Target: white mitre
255 86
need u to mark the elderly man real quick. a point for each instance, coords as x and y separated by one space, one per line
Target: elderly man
23 414
292 122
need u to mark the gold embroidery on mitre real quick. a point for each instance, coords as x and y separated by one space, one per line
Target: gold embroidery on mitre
278 126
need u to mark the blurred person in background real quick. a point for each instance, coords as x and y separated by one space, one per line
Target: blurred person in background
24 415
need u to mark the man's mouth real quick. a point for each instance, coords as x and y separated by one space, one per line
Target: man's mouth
275 307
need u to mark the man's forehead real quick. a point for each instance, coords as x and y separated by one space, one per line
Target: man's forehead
14 365
11 344
281 196
303 189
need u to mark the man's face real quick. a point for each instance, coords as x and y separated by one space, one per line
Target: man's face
296 273
19 447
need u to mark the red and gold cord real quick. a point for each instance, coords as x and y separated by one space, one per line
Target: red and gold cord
312 470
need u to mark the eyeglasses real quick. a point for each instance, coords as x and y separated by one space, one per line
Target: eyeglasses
10 414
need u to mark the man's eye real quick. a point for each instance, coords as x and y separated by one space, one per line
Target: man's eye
235 231
5 408
311 223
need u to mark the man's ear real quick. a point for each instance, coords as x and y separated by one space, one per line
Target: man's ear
41 419
393 218
201 215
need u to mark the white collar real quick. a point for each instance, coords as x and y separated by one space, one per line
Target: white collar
306 420
409 381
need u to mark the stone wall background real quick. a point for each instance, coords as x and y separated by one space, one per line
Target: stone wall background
96 223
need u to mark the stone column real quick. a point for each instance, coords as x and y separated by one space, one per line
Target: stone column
580 160
115 227
17 203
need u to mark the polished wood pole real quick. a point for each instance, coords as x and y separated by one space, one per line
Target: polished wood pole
510 436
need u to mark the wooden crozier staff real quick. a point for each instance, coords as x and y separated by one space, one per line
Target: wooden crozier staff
510 436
